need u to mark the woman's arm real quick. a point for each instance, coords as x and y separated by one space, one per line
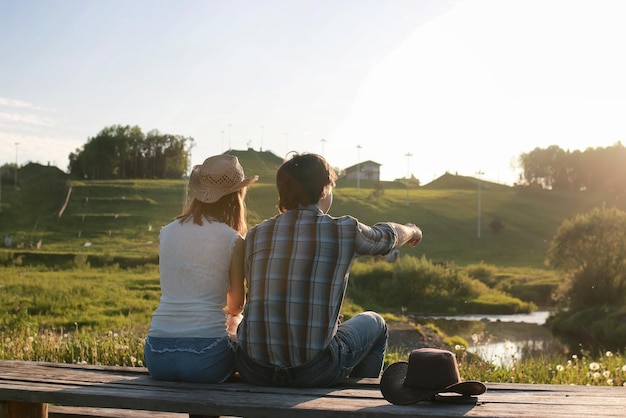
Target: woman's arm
236 296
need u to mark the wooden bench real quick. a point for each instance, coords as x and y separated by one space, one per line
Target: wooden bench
26 389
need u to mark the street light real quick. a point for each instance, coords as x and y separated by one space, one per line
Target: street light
408 156
479 173
323 141
358 166
16 144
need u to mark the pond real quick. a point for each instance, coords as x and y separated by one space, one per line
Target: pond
504 339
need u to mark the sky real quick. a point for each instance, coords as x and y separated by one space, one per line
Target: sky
422 87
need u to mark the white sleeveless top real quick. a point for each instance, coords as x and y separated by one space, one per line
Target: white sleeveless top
194 264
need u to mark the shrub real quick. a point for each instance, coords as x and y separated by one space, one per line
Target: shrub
590 252
483 272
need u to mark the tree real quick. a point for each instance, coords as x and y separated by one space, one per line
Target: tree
545 167
595 169
122 152
590 251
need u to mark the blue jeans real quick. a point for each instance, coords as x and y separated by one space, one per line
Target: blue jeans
209 360
358 350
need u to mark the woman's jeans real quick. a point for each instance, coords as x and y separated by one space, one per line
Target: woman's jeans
358 350
210 360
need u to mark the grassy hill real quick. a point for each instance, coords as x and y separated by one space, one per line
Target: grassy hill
122 218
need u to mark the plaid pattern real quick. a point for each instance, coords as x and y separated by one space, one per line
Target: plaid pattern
297 266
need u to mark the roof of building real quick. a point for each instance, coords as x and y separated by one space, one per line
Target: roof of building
370 162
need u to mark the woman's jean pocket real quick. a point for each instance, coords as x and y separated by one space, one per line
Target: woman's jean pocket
209 360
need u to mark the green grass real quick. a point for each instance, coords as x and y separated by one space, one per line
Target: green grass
124 217
100 299
80 314
125 348
74 299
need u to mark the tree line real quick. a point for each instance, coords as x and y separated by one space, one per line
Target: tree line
125 152
595 169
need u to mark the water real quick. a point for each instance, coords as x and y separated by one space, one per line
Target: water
538 317
504 339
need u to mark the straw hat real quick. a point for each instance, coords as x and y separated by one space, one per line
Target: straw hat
429 372
216 177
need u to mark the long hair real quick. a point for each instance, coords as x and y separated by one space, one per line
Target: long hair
302 180
230 209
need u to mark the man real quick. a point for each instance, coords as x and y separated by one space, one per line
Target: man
297 266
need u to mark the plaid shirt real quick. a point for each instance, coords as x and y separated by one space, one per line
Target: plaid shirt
297 266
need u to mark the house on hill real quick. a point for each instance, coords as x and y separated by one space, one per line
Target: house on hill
367 170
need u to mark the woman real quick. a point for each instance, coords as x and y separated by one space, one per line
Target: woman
201 276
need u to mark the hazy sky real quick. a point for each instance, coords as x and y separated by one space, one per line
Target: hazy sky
463 86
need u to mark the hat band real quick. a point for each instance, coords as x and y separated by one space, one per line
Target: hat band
425 387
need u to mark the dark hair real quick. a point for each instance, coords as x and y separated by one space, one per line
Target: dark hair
229 209
301 180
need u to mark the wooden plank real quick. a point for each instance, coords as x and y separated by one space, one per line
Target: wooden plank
79 412
23 410
132 388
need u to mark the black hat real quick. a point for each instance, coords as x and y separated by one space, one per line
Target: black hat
430 371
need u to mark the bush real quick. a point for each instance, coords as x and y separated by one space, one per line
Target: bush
418 285
590 253
483 272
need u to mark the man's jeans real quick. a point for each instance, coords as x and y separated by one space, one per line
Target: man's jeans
358 350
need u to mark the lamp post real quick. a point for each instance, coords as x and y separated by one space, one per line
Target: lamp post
358 166
479 173
323 141
408 156
16 144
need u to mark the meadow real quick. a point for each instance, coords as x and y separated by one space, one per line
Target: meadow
87 315
80 279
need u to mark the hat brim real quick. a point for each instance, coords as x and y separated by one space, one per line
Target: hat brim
212 195
393 388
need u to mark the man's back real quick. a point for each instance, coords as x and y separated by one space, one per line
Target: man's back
297 265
